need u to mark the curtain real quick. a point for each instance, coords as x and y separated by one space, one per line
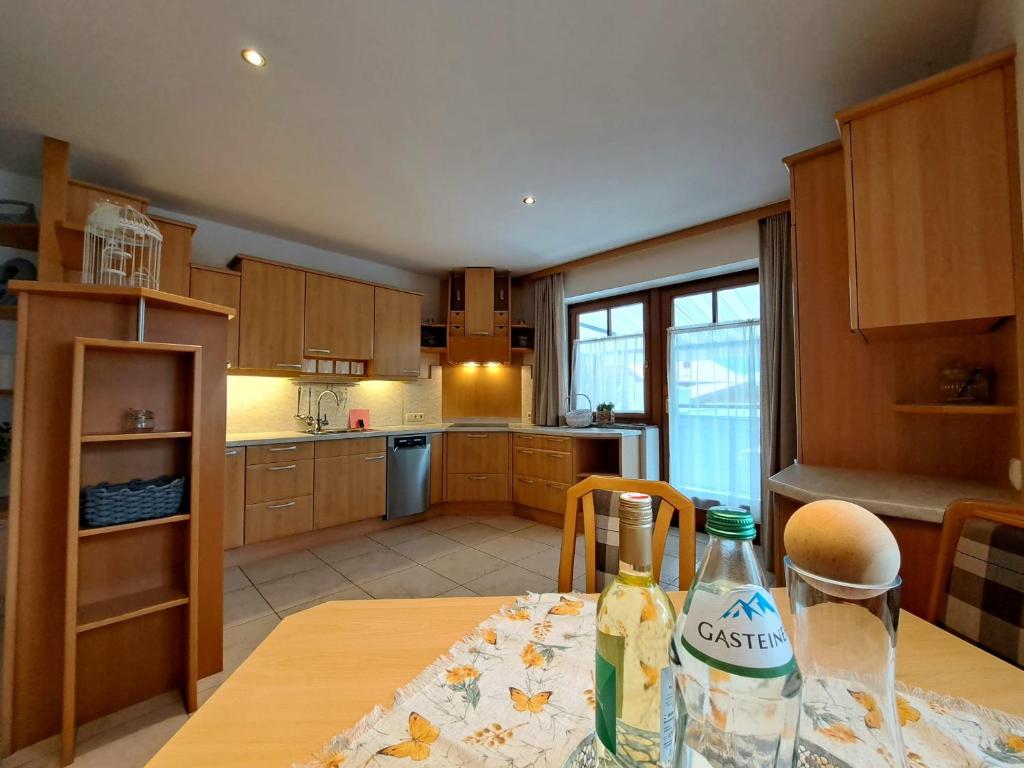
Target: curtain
610 370
549 350
778 341
714 402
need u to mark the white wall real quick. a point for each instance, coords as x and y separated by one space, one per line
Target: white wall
216 244
724 250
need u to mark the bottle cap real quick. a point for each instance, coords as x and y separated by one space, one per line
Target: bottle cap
730 523
635 509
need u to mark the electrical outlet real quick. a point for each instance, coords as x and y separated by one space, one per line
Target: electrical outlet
413 417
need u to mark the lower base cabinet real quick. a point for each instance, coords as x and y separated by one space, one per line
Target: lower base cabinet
274 519
350 481
478 487
539 494
234 497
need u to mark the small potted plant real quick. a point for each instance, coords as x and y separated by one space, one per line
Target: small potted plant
606 413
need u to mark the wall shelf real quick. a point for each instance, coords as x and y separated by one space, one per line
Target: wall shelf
24 237
86 532
967 409
130 606
117 437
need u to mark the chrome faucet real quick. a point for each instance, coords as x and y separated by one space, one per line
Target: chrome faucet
321 421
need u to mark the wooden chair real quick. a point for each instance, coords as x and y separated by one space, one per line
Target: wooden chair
956 515
672 501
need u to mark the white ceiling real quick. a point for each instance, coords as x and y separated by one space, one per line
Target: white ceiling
409 130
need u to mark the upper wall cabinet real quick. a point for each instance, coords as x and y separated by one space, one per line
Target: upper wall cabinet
273 300
396 333
479 304
219 286
931 203
176 254
339 318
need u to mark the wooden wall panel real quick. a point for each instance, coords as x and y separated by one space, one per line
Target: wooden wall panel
481 392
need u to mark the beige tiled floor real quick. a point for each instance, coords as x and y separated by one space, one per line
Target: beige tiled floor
442 557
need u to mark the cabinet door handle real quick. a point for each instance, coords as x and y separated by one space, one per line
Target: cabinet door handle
411 371
281 469
556 486
526 481
373 458
476 436
281 506
232 452
318 351
289 365
478 477
278 450
480 333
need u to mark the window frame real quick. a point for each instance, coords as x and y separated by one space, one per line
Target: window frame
607 304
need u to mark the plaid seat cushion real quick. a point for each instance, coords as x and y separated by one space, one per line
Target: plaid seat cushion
606 515
985 596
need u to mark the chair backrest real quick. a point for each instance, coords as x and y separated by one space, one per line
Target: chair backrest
672 502
981 553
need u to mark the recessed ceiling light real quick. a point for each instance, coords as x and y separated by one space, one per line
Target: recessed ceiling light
529 200
254 57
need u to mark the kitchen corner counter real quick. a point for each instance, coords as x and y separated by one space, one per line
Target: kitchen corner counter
889 494
238 439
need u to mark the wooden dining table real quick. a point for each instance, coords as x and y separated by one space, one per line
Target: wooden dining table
323 669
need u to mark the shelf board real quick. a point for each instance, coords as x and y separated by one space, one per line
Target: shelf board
522 349
433 349
967 409
9 312
87 532
118 437
125 607
24 237
6 392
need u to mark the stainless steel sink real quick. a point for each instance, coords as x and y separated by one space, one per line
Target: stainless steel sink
333 431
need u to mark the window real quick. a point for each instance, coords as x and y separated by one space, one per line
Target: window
609 353
714 396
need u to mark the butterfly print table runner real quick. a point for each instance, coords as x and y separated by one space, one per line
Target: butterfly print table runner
518 692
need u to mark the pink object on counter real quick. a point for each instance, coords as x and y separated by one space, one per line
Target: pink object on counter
359 414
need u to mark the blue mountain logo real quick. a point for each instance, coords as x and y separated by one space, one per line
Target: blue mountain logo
758 605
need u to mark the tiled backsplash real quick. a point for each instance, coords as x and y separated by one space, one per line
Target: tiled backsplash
267 404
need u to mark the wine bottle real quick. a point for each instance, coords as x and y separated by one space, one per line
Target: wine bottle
634 713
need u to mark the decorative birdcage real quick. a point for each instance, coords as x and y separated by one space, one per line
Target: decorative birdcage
122 247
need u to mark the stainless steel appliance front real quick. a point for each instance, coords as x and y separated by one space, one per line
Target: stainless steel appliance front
408 475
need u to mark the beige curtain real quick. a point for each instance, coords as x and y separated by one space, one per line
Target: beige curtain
549 350
778 383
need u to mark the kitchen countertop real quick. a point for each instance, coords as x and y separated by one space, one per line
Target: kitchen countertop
237 439
890 494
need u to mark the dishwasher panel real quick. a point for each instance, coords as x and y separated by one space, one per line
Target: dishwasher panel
408 476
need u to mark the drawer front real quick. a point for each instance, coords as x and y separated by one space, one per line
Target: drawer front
355 446
544 464
477 453
457 330
282 479
501 330
274 519
501 318
539 494
478 487
457 317
234 497
549 442
265 454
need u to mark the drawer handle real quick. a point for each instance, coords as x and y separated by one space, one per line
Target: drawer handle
232 452
555 454
318 351
411 371
478 477
526 481
289 365
281 506
281 469
526 450
373 458
476 437
556 486
278 450
480 333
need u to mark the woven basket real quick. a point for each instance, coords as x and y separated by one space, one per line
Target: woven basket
578 418
130 502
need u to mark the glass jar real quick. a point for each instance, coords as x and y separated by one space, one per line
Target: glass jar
139 420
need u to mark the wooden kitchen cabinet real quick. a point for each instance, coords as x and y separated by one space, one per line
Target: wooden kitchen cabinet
931 199
479 301
478 487
175 255
234 497
339 318
273 300
275 519
280 480
349 488
477 452
436 468
219 286
396 333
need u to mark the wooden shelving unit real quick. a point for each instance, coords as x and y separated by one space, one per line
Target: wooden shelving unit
980 409
135 584
24 237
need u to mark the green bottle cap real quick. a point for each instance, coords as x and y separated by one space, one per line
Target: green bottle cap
730 523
